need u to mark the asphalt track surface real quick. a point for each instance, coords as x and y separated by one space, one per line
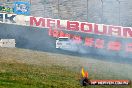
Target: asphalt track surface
38 39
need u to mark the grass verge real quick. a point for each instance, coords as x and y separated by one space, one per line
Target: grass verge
29 69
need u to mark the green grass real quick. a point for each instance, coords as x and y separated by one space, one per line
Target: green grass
17 75
19 70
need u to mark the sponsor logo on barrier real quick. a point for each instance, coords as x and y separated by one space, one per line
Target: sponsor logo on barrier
6 7
14 19
22 8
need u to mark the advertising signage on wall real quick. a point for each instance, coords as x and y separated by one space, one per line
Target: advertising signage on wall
22 8
100 29
14 19
118 37
85 27
19 7
6 7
